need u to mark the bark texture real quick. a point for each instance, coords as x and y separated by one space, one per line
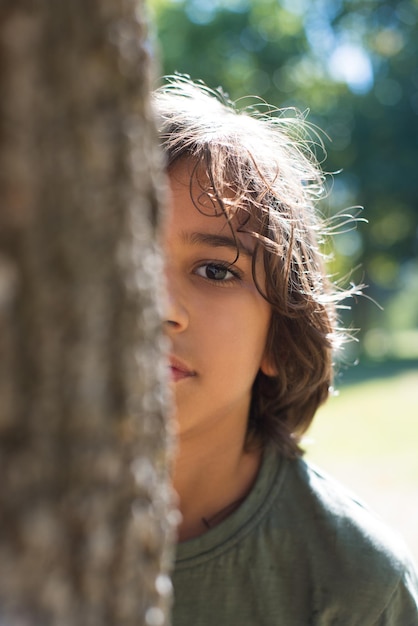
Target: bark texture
85 514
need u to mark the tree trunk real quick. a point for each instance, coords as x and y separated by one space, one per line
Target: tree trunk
85 513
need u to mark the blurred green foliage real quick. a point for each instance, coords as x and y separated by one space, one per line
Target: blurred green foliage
353 64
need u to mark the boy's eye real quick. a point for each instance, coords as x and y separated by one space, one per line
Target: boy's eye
215 271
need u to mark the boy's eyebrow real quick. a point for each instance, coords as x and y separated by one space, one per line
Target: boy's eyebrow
216 241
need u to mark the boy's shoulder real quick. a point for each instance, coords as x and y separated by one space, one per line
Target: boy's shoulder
346 544
328 512
300 550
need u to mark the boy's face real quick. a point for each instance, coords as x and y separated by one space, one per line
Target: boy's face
217 321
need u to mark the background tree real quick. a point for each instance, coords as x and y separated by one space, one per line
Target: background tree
85 513
353 64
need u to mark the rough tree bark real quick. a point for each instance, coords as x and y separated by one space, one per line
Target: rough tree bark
85 514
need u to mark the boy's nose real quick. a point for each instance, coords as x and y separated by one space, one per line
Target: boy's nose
176 315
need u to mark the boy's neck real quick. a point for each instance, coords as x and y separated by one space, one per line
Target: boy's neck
211 479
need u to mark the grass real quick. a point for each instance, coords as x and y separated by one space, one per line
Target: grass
367 437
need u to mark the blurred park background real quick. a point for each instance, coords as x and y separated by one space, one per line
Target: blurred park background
353 64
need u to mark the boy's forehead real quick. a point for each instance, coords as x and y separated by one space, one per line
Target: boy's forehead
196 175
183 169
210 198
193 203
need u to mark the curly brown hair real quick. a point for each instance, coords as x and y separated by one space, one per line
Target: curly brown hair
263 165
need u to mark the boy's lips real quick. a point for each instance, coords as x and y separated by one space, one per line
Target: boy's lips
179 370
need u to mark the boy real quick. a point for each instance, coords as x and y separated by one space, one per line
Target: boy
265 539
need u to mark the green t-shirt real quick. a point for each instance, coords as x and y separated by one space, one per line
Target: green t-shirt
298 551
